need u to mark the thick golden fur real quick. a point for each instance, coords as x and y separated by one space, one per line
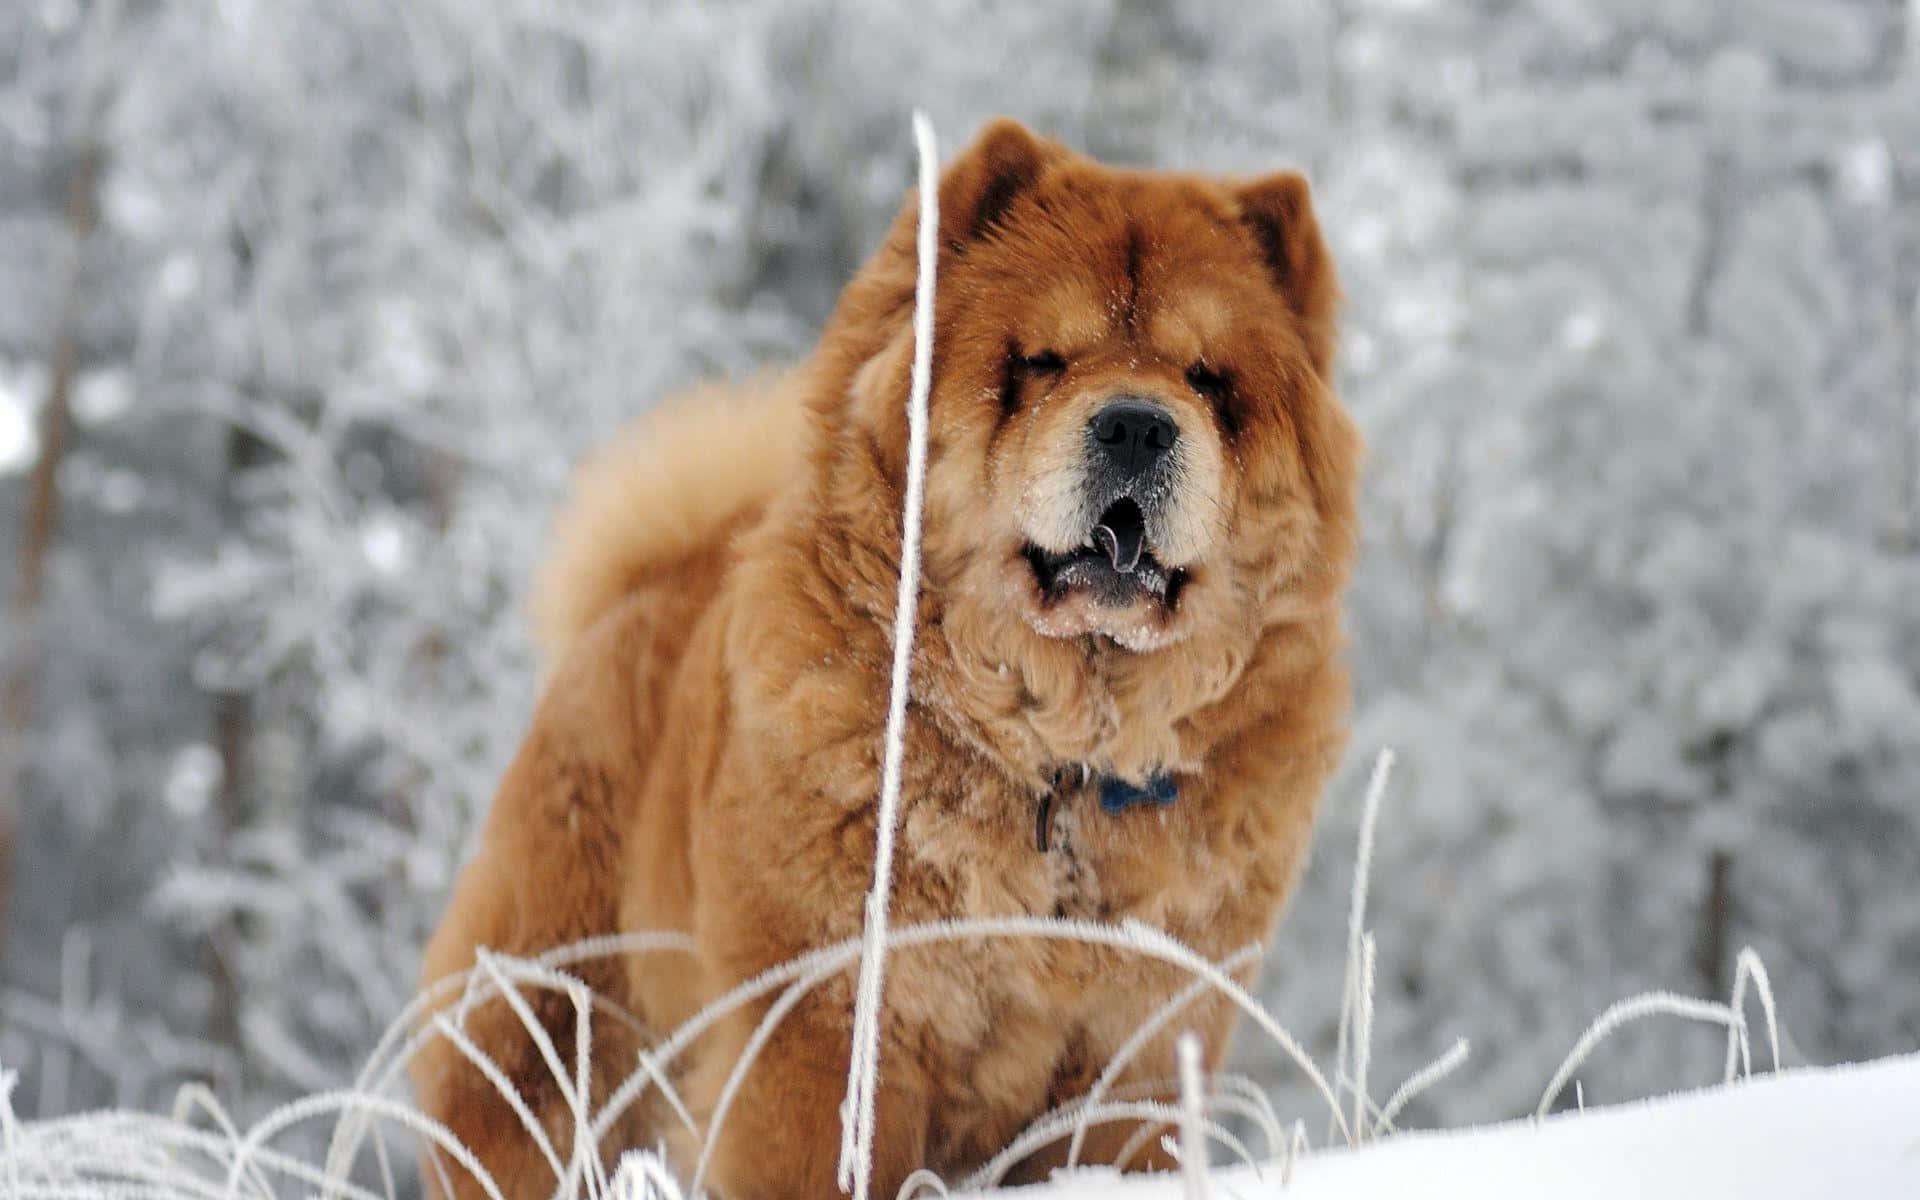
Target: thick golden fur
705 756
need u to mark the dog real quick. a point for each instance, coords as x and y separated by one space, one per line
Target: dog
1127 687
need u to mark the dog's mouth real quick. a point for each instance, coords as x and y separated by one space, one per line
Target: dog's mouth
1114 567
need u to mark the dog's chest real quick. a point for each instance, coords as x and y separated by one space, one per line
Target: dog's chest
1080 875
1065 855
1008 1021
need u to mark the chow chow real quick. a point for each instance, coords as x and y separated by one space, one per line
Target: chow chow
1127 687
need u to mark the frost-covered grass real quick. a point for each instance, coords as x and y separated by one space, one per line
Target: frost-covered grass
375 1133
863 1068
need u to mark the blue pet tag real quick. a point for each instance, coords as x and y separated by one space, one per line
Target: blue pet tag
1117 795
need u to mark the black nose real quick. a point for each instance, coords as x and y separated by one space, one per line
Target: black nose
1132 436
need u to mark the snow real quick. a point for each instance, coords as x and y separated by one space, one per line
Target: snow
1835 1131
21 389
102 395
384 539
191 779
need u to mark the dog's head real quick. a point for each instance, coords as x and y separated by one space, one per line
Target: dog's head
1133 434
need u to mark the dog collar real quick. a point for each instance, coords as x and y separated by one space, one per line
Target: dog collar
1116 796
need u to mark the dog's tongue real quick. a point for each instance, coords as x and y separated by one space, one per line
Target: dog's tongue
1120 535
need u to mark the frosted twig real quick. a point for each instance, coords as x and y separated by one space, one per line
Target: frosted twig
1747 966
506 976
196 1095
651 1070
405 1036
910 1188
1154 1116
1646 1004
440 1174
1350 998
585 1152
490 1070
823 961
1296 1150
1131 935
1138 1039
1161 944
385 1162
400 1114
1245 1096
1419 1082
1193 1142
777 1012
385 1063
1233 1093
863 1064
643 1175
144 1147
1135 1144
1170 1115
1363 1039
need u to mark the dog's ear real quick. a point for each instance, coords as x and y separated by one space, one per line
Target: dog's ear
983 182
1279 210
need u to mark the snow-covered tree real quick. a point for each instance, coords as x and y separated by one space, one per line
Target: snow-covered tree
1632 328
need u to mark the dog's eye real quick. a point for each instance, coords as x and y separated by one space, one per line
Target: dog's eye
1020 368
1212 384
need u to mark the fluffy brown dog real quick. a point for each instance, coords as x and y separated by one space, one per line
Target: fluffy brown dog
1127 692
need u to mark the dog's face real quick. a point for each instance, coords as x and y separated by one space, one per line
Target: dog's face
1132 429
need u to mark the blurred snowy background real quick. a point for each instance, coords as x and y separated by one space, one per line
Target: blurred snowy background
306 306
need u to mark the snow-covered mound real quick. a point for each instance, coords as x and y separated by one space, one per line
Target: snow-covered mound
1851 1131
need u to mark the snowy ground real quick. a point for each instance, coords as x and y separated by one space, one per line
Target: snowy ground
1851 1131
